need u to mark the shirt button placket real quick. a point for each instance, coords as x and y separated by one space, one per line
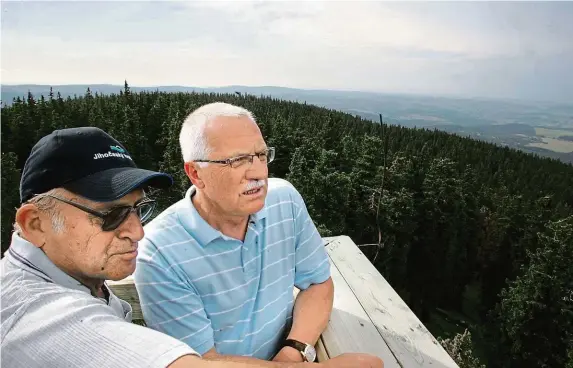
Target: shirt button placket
250 251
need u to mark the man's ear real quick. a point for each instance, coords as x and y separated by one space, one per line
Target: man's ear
34 224
191 169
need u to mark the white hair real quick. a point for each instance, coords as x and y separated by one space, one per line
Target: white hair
47 204
192 137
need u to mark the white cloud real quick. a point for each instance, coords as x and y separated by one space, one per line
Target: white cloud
469 48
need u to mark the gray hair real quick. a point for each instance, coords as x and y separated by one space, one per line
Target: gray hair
192 138
47 204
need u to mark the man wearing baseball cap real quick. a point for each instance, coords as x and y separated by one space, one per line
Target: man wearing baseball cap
83 202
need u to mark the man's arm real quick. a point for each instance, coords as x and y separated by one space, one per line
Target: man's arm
312 310
313 304
349 360
212 355
85 333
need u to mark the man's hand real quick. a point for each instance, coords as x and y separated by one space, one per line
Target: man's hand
353 360
288 354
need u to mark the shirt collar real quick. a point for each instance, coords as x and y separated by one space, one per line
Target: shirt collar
195 224
26 255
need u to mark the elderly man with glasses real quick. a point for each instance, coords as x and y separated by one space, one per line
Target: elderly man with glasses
218 269
83 204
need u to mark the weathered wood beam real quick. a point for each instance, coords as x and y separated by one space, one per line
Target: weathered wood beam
410 342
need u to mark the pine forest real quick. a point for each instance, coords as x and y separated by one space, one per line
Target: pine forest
476 238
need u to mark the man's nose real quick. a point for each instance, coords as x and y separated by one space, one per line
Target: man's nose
258 167
132 228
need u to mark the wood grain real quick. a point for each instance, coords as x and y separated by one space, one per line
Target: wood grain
350 330
125 289
411 343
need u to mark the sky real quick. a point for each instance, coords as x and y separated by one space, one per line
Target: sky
518 50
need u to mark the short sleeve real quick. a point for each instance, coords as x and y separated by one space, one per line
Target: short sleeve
72 330
171 305
312 264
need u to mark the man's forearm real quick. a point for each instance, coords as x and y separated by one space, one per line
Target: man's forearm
231 361
312 310
247 361
348 360
214 356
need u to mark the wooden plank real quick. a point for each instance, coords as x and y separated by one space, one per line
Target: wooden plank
128 280
350 329
321 353
125 289
411 343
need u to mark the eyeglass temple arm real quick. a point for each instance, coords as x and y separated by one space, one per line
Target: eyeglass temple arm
80 206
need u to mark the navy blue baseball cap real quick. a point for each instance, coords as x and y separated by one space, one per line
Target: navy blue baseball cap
86 161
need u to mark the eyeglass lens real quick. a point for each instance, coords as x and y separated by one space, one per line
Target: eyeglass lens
265 157
118 215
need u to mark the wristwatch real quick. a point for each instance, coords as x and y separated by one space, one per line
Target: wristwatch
307 351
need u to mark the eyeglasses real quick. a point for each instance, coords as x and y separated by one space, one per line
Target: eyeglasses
117 215
267 156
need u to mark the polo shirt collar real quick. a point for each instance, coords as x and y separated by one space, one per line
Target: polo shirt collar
195 224
26 255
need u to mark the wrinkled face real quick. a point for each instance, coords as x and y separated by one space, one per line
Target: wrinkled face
228 187
85 251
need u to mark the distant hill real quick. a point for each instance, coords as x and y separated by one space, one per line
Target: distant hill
407 110
505 122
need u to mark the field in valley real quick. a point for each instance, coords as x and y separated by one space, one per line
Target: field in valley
556 145
551 139
552 133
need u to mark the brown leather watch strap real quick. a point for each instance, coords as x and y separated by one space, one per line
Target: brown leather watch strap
295 344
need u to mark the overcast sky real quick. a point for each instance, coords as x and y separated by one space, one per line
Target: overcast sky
491 49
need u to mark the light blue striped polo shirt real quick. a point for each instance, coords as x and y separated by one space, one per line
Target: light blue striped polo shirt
210 290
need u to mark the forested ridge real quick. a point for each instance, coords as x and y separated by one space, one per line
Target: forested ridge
469 234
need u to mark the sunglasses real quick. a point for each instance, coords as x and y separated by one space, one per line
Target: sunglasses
117 215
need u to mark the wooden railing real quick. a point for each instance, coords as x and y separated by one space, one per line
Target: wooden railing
368 316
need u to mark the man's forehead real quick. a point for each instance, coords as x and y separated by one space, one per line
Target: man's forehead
239 149
234 135
224 121
224 126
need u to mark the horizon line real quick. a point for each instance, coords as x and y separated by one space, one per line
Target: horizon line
396 93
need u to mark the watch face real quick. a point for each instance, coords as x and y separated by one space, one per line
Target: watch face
310 353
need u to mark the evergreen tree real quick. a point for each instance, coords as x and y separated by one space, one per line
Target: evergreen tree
536 311
460 348
10 194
